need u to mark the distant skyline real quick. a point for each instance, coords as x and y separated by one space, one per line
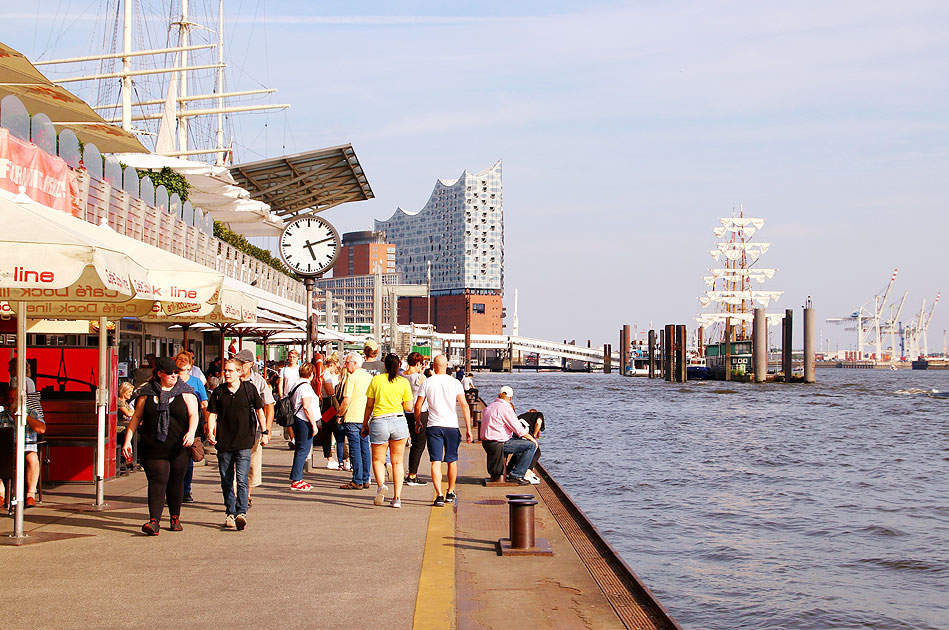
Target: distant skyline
626 129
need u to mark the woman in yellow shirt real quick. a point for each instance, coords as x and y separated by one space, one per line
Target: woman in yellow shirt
388 398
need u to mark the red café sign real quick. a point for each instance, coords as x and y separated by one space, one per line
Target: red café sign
47 178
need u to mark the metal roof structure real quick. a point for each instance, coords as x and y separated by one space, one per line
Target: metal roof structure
307 182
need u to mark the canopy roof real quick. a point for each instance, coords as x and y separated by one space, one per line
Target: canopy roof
66 110
306 182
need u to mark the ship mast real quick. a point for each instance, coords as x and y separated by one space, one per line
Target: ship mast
737 298
178 99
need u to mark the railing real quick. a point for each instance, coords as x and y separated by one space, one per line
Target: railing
137 209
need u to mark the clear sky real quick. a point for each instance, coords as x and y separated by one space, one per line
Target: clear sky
626 129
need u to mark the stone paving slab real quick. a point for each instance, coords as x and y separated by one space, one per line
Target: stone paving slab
322 559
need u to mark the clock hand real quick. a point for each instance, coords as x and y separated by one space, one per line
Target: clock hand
308 245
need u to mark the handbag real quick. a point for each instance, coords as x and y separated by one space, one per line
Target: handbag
197 450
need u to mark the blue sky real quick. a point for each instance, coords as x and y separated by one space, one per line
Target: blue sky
625 130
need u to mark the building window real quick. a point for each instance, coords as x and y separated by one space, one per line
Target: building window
477 308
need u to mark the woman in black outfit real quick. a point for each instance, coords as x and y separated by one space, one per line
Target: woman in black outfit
167 411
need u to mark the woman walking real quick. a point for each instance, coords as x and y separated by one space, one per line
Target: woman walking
167 412
388 398
306 417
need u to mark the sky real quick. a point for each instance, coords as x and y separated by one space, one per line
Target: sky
626 129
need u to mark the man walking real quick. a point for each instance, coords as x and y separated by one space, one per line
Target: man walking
236 413
502 434
246 357
352 410
443 393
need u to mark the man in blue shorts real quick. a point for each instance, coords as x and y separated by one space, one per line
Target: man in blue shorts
444 395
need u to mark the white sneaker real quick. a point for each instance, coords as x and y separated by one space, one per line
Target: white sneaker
332 464
533 478
380 496
229 522
347 466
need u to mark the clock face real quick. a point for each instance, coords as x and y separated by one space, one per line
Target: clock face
309 245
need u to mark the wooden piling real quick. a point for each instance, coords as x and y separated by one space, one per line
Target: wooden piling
652 353
681 358
608 358
728 349
667 354
759 346
786 344
810 365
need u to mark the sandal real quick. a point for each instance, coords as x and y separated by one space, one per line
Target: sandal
352 485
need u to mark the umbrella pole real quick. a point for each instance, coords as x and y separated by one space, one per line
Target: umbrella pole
103 409
19 491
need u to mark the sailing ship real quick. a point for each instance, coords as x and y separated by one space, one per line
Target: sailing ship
734 291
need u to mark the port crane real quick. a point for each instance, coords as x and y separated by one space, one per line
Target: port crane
869 324
916 339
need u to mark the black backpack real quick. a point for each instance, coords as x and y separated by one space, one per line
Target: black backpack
284 411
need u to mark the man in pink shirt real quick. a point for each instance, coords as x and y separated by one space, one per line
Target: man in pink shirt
501 434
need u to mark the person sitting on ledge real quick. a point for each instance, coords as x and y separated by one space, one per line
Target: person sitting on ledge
503 434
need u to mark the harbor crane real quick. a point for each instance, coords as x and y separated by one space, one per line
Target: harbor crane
867 322
916 339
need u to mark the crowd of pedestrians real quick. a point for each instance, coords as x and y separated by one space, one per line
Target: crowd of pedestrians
369 408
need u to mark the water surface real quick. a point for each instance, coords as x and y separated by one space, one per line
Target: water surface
762 506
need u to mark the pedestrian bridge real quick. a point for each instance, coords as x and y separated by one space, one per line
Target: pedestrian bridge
526 344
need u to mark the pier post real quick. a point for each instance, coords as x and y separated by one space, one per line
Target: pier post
522 541
728 349
786 344
700 344
667 353
623 349
810 365
608 358
759 345
661 350
652 353
680 352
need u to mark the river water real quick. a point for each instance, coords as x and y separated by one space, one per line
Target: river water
762 506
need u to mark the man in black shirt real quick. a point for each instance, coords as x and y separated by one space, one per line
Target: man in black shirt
235 409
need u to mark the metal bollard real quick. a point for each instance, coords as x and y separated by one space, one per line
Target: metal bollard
522 523
515 513
521 529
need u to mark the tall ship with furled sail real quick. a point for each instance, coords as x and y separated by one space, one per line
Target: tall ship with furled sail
734 292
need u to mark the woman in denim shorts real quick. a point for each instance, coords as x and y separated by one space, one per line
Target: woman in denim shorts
388 398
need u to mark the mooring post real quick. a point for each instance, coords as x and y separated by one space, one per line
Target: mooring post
700 342
760 345
652 354
661 360
810 365
608 358
681 354
728 348
786 345
667 354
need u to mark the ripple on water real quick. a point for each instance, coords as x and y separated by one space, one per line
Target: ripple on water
762 510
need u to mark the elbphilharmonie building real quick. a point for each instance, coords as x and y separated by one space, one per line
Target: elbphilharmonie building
460 230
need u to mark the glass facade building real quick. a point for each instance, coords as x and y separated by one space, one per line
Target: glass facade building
460 230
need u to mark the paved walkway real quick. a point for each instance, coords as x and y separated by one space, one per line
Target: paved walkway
323 559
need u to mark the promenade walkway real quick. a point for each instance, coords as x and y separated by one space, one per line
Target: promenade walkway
323 559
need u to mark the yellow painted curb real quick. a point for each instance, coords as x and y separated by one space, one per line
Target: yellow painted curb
435 603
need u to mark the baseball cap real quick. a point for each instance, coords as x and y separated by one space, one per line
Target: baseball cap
371 344
507 391
245 356
166 365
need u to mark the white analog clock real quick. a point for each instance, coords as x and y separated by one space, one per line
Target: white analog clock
309 245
